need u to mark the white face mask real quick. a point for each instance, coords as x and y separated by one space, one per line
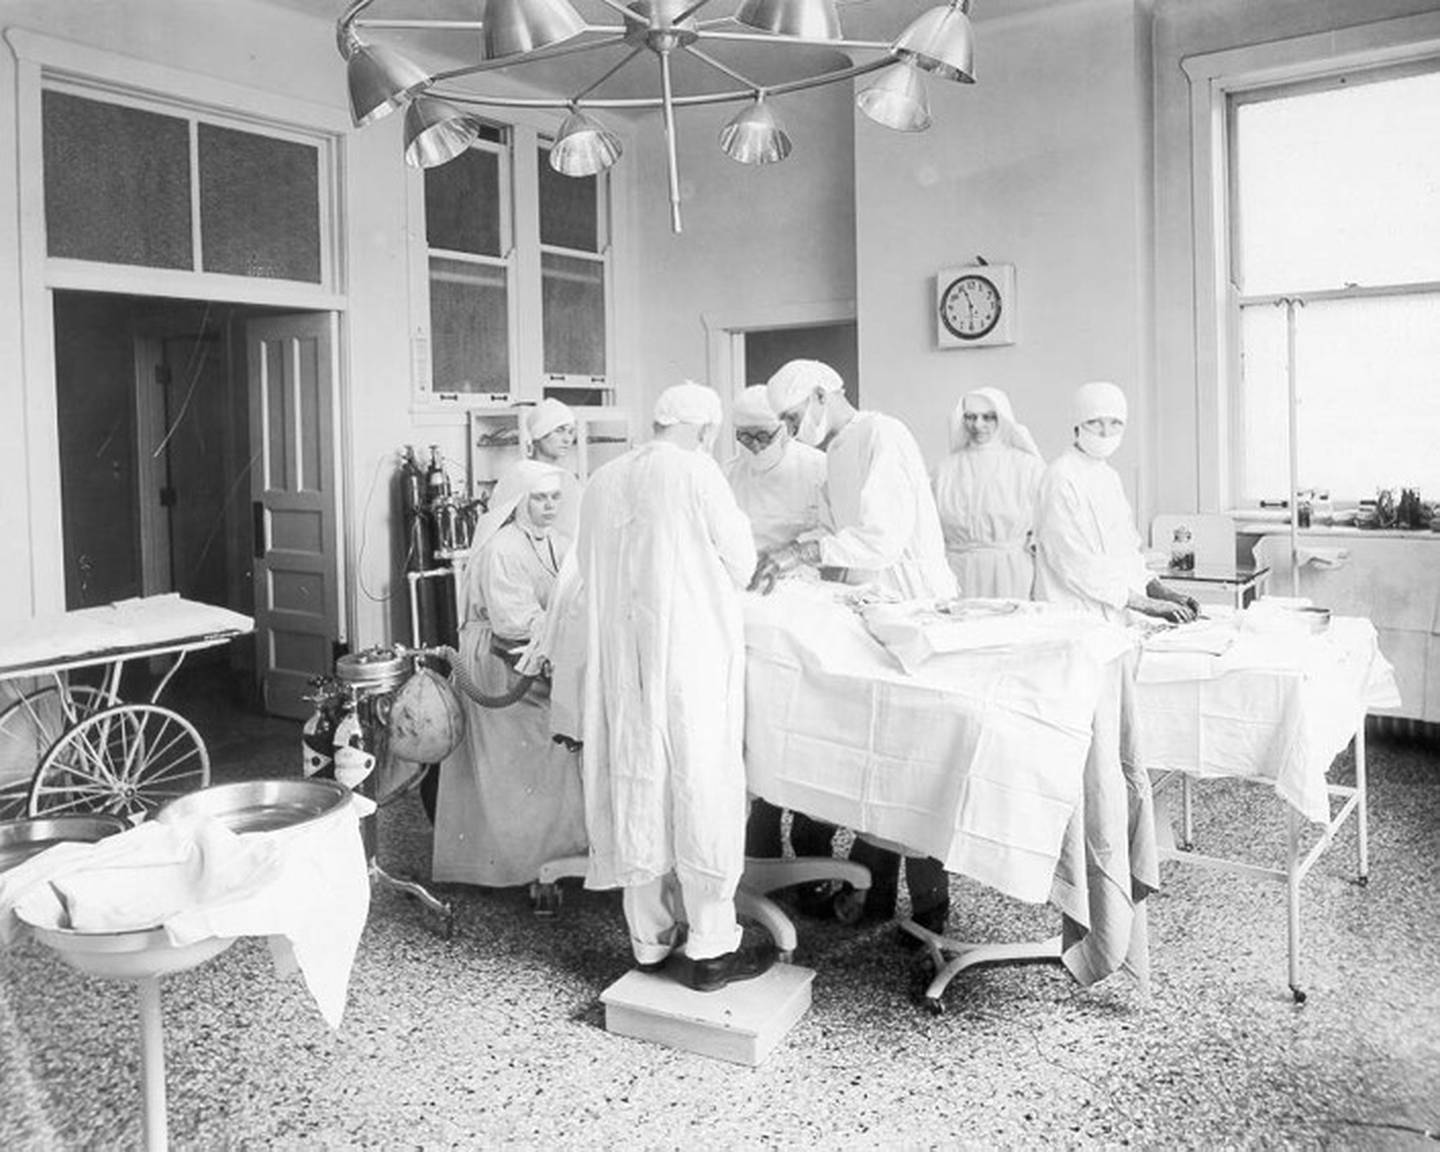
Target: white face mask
1096 445
815 424
767 457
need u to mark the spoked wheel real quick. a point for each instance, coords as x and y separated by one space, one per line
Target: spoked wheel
128 760
29 727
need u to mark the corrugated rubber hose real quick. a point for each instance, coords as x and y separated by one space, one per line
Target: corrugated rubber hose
460 678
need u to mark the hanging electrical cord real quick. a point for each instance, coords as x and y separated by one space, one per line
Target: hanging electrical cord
193 371
365 537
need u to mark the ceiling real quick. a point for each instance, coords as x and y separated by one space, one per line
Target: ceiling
879 20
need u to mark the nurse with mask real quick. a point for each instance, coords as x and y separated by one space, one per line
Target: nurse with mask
1087 549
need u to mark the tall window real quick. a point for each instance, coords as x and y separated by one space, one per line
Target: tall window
519 299
1335 202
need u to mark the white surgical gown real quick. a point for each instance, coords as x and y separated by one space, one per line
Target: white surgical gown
663 554
887 531
784 500
1087 550
986 498
509 797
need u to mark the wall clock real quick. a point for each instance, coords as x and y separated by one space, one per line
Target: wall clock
975 305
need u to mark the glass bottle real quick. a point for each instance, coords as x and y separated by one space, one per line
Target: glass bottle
1182 551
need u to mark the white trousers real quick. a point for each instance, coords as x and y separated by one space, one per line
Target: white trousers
656 910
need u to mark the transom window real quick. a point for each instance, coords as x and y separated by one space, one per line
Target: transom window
1335 205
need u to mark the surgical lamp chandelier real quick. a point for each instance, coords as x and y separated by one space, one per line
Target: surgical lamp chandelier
514 33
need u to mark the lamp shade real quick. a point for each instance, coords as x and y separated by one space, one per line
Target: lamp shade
897 99
584 146
436 132
811 19
754 136
380 80
941 42
514 27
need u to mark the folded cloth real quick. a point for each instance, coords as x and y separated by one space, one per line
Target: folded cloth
306 887
1323 557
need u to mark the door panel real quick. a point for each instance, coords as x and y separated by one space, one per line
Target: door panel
297 571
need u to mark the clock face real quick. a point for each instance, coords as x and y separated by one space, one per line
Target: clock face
970 306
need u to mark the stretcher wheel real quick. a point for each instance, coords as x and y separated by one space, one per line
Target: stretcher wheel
1363 881
1299 994
849 905
128 759
29 727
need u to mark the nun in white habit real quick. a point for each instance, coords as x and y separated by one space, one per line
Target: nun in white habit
985 492
552 429
509 796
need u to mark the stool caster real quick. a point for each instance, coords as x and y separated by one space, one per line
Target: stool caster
545 900
1298 994
1363 880
848 904
934 1005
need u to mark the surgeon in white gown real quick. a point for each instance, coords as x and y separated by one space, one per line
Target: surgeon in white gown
778 482
664 552
509 796
985 491
886 532
1088 554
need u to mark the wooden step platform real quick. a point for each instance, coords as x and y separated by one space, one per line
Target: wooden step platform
741 1023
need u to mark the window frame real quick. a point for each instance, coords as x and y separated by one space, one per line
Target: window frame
1241 300
1214 79
528 376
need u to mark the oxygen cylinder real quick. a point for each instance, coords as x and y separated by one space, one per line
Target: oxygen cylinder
416 525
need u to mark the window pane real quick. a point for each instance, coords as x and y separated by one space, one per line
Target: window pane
569 208
462 204
259 205
469 330
117 183
1366 420
1340 187
573 302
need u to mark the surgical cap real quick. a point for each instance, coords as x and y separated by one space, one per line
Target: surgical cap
752 409
547 416
1099 400
798 379
688 403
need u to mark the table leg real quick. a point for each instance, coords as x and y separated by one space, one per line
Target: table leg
1293 876
1187 815
152 1064
1361 806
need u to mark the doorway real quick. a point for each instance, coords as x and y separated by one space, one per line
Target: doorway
165 479
836 344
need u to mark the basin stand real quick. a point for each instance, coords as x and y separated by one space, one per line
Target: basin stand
152 1064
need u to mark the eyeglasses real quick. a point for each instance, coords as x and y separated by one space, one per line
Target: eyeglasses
754 438
982 418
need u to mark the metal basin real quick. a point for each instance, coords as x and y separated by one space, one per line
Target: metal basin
261 805
125 955
22 839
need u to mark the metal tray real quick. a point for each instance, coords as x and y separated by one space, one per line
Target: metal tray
261 805
22 839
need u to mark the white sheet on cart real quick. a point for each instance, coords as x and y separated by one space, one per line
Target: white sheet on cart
977 758
1277 705
150 621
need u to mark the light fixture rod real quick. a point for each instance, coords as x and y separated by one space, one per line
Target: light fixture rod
643 102
630 14
667 95
705 57
685 15
579 96
567 48
398 25
811 41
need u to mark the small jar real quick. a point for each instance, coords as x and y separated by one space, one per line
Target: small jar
1182 551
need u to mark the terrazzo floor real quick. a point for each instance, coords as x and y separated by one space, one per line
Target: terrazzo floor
495 1038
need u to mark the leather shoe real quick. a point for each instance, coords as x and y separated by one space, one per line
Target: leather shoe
715 972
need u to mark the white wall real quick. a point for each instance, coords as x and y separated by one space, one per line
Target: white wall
1041 163
758 242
